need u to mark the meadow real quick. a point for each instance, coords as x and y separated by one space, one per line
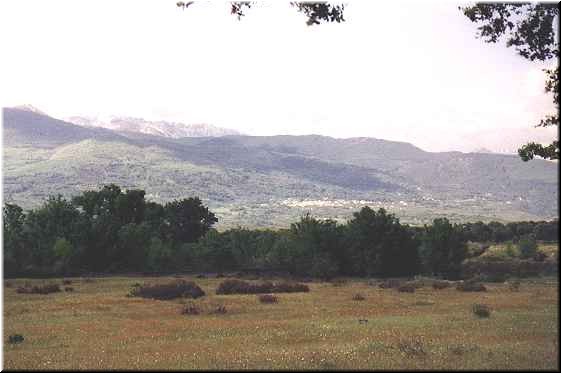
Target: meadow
97 326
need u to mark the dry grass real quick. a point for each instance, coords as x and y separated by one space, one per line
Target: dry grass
98 328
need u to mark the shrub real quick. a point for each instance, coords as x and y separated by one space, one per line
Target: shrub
438 285
290 287
15 338
268 298
358 296
66 282
201 276
481 310
234 286
191 309
88 280
8 284
176 289
493 277
406 288
41 289
527 247
471 286
68 288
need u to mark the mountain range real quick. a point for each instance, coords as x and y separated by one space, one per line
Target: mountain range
157 128
268 181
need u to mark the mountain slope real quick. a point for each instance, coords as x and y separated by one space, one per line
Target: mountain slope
270 181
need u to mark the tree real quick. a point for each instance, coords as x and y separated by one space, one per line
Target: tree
15 253
443 248
530 30
380 245
316 11
187 220
527 247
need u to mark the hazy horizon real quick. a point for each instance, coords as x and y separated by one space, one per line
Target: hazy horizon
432 84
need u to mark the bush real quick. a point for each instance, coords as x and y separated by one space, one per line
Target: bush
509 267
268 298
42 289
481 310
66 282
358 296
234 286
406 288
68 288
15 338
290 287
438 285
471 286
494 277
172 290
527 247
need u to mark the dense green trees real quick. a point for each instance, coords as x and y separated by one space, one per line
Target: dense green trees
107 231
380 245
111 230
443 248
513 231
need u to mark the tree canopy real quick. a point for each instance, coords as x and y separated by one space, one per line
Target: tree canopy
529 28
316 11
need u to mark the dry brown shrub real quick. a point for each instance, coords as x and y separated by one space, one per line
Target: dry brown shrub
172 290
268 298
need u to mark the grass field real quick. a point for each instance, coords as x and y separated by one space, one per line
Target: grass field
98 327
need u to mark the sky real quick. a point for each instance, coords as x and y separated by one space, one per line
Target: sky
407 71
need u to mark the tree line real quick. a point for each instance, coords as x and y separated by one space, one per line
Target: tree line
116 231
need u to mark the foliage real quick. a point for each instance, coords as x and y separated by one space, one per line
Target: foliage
114 231
481 310
172 290
527 247
471 286
530 29
316 11
379 245
39 289
443 248
268 298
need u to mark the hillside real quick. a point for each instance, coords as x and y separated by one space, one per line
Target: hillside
270 181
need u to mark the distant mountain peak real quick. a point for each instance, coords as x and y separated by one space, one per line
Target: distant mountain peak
30 108
156 128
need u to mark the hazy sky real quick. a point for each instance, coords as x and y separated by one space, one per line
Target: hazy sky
409 71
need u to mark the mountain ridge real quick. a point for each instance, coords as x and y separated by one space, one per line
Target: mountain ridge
264 181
